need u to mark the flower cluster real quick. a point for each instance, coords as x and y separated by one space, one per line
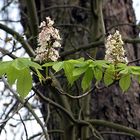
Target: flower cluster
115 52
49 42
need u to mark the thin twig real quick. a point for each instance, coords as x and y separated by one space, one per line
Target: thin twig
48 113
6 52
133 61
51 102
9 20
122 24
6 5
26 133
7 117
63 6
19 38
49 131
95 45
95 133
28 106
116 133
115 126
35 135
131 40
73 25
82 47
33 19
75 97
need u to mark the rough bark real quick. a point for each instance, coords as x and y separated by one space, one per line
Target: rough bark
108 104
111 104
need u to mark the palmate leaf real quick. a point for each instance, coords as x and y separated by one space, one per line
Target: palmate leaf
49 64
12 74
87 79
109 75
4 66
58 66
125 82
19 69
24 82
68 69
98 73
135 70
78 62
80 70
21 63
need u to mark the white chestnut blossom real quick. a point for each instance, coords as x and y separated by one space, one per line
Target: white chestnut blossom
115 52
49 41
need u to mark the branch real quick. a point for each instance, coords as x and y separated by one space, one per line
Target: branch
74 97
95 45
63 6
33 18
116 133
133 61
122 24
6 5
73 25
26 134
132 41
28 106
8 117
82 47
6 52
115 126
19 38
49 131
51 102
35 135
67 113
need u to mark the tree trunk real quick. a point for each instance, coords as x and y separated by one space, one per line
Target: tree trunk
111 104
79 26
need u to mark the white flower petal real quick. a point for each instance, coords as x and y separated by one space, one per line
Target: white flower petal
115 52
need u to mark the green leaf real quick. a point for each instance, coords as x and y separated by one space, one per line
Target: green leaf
49 64
80 70
12 74
102 63
124 82
24 82
68 69
75 61
87 79
4 66
34 64
78 62
98 73
135 70
125 71
121 65
109 76
58 66
40 76
22 63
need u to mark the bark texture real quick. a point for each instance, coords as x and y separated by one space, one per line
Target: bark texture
111 104
78 28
